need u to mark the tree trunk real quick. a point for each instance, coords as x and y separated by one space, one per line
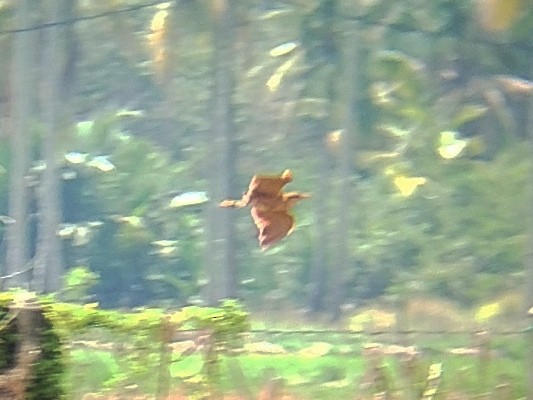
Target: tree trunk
17 246
220 250
319 39
529 252
345 194
318 282
48 260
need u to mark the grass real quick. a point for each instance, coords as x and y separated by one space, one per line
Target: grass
328 376
336 372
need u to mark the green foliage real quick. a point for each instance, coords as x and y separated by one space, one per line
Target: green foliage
78 282
430 105
136 356
47 373
90 370
226 324
8 336
124 186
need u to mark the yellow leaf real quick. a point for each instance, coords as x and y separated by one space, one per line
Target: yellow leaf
275 80
499 15
435 371
450 147
487 312
407 185
159 20
156 40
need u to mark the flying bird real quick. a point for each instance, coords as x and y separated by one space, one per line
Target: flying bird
270 207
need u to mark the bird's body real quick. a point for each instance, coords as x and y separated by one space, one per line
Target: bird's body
269 206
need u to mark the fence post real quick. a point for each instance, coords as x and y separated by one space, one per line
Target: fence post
166 335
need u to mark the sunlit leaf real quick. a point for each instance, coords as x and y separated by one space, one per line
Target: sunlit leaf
487 311
275 80
163 6
164 243
275 13
75 157
82 236
101 163
167 251
66 231
156 40
39 166
283 49
159 20
84 128
333 139
69 175
449 146
254 71
6 220
434 371
188 199
407 185
130 113
132 220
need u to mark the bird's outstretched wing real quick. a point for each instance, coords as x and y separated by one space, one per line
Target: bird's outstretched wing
273 225
269 206
268 185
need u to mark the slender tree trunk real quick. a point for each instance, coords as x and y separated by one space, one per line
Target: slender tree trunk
345 193
529 249
48 263
220 251
318 38
17 246
318 283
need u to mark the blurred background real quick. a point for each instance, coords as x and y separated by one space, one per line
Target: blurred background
124 123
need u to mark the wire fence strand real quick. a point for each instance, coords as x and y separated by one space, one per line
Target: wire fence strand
526 47
70 21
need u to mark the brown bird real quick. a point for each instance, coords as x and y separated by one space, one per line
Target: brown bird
269 206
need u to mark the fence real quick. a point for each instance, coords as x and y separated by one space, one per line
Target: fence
311 364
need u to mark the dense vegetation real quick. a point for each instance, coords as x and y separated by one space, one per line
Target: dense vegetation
437 164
